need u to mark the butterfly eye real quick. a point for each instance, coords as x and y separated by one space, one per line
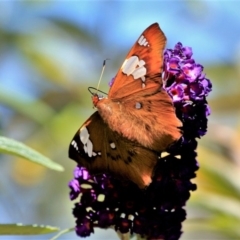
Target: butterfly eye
100 97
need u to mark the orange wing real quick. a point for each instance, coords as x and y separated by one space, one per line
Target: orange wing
141 70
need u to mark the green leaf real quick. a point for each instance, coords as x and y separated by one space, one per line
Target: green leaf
62 232
75 31
37 110
16 148
20 229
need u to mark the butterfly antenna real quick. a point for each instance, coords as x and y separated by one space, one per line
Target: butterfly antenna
104 64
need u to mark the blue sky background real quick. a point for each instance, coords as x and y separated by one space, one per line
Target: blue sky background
211 28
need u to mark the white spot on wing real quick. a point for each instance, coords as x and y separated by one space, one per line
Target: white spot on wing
142 41
85 148
87 144
139 72
89 148
164 154
141 63
112 145
84 135
135 67
74 144
138 105
130 65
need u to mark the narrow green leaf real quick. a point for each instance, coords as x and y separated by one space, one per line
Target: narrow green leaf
75 31
16 148
37 110
62 232
20 229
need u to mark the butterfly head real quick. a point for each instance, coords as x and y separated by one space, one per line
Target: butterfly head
95 96
95 99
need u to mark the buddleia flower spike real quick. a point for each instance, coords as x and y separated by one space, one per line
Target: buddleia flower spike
156 212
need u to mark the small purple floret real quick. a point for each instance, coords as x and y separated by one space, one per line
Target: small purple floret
111 82
75 189
188 87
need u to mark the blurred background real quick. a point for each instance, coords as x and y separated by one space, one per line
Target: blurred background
51 51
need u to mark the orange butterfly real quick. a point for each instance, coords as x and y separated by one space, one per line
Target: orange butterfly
136 122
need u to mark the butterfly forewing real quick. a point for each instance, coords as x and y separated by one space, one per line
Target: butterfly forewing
137 106
99 149
142 67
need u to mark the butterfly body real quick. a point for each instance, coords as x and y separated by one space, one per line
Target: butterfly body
135 122
141 119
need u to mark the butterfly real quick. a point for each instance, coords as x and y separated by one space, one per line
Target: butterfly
135 122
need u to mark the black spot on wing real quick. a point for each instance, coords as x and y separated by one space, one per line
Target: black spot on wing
131 153
147 127
128 160
113 158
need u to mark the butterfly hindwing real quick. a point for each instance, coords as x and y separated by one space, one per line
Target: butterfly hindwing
99 149
143 65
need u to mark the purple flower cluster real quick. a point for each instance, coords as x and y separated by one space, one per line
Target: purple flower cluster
158 211
186 83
